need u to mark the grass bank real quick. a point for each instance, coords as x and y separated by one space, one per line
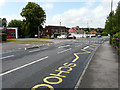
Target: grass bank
28 41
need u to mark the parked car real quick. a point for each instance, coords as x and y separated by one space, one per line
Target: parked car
62 36
71 37
99 36
52 37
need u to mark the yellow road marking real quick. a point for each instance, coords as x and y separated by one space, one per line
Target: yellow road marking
41 85
25 49
58 77
52 77
77 57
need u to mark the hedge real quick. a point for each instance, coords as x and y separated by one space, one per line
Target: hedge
3 36
113 40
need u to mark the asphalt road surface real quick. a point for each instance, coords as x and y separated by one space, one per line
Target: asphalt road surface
57 65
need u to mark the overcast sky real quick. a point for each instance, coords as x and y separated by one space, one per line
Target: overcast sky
82 13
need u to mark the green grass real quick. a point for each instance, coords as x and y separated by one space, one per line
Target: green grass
28 41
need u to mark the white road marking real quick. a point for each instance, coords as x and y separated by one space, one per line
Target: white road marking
7 57
64 51
64 46
6 52
86 47
78 46
27 44
23 66
38 50
35 50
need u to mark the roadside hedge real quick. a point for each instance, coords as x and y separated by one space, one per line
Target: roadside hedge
114 41
3 36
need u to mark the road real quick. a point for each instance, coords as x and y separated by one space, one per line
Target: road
56 65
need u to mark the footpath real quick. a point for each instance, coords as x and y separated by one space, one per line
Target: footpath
102 72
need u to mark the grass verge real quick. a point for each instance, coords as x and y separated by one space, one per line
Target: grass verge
28 41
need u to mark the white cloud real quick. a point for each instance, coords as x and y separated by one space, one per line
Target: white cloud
95 17
48 6
2 2
12 17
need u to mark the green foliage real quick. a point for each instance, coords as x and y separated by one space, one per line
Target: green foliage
113 40
104 33
4 22
4 36
17 23
115 26
34 16
112 26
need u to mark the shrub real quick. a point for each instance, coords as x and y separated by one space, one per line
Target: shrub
104 33
113 40
3 36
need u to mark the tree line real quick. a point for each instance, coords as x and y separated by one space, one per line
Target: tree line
112 25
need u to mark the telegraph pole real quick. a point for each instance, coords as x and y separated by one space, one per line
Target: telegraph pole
38 32
111 22
111 18
60 28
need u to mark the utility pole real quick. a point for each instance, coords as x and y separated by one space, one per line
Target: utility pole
111 22
60 28
111 18
38 32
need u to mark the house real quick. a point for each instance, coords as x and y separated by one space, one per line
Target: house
77 32
93 32
54 31
12 33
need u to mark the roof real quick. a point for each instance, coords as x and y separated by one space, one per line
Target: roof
76 30
55 26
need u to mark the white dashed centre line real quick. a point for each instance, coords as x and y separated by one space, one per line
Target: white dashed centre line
86 47
7 57
64 46
64 50
23 66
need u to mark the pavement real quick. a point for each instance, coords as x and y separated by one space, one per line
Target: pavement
102 71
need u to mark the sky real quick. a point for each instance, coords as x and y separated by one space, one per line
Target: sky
71 13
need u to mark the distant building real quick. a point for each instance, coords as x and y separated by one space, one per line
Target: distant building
54 31
12 33
77 32
93 32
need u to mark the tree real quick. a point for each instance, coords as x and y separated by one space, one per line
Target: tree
17 23
4 22
34 16
0 22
